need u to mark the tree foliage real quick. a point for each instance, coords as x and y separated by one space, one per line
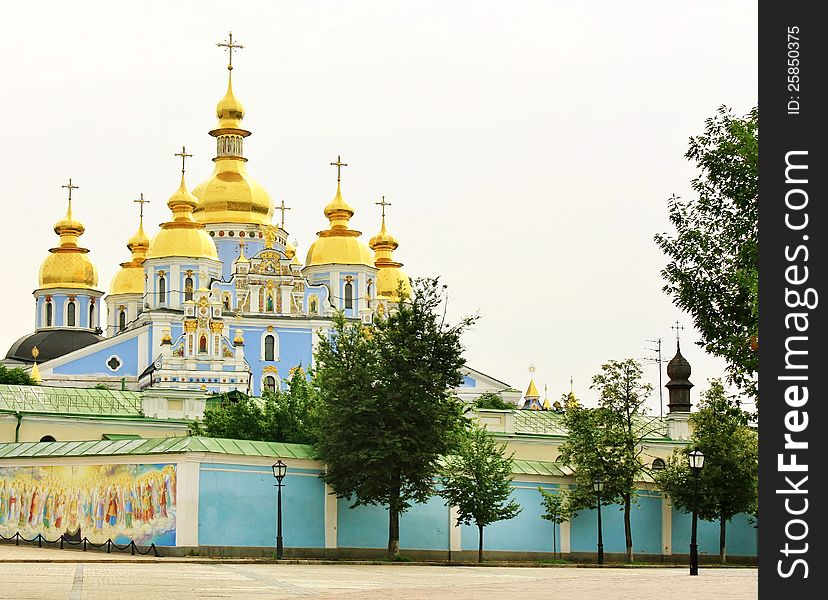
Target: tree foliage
493 400
728 482
387 410
477 479
285 415
712 271
557 509
606 442
15 376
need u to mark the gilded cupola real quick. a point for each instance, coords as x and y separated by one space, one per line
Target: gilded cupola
130 277
68 264
183 236
230 195
390 275
339 244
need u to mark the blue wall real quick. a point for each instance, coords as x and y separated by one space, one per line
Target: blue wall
95 362
740 537
645 519
237 507
422 527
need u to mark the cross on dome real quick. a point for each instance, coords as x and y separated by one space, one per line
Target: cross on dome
184 156
383 203
338 164
141 201
677 327
282 207
230 46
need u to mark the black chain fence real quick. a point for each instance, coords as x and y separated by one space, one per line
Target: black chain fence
74 541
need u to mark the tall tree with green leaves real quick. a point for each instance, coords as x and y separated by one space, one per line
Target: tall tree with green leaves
15 376
556 508
387 411
607 442
728 482
712 271
493 400
477 479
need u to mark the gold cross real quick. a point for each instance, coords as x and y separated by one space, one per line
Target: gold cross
70 187
383 204
283 208
338 164
184 156
141 201
531 368
230 46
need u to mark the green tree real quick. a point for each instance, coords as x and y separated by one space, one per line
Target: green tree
606 442
477 479
728 482
493 400
712 271
387 411
556 509
16 376
240 419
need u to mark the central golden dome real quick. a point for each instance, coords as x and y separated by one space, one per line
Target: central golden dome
68 265
182 236
231 195
339 244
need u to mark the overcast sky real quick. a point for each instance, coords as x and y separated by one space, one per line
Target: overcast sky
528 148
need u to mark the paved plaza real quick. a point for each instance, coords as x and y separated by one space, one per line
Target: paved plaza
122 578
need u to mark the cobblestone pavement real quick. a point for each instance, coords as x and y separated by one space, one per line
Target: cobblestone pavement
181 581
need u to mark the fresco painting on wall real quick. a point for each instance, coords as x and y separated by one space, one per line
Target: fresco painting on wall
100 502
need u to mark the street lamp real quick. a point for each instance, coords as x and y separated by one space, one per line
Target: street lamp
598 486
279 470
695 459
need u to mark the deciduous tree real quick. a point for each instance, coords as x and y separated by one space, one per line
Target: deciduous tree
556 509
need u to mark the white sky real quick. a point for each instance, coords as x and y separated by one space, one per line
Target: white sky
528 148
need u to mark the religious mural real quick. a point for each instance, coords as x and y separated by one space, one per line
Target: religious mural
121 502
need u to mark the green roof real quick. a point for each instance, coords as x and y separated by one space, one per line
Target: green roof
536 467
171 445
68 400
551 424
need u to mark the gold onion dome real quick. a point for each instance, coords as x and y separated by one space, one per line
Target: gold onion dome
390 275
182 236
339 244
230 195
130 277
68 265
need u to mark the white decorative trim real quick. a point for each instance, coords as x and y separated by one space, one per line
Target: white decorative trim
275 345
116 357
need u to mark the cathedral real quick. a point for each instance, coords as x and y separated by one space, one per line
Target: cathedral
218 299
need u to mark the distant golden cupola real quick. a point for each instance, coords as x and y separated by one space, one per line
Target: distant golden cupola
230 195
339 244
130 277
68 265
183 236
390 275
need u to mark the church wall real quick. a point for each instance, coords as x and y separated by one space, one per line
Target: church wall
645 518
96 362
237 507
741 535
34 427
294 347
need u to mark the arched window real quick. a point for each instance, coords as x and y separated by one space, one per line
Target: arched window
70 314
658 464
49 311
368 291
269 343
162 290
202 344
91 324
188 288
270 383
48 438
121 320
349 295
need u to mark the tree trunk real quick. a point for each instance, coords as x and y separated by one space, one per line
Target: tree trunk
480 544
554 540
628 528
722 539
393 531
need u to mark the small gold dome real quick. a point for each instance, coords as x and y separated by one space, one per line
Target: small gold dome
182 236
390 275
130 277
68 265
229 110
339 244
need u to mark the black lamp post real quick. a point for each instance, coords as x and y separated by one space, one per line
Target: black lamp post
279 470
598 486
696 461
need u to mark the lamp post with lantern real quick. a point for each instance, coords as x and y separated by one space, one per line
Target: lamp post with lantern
279 471
598 486
695 460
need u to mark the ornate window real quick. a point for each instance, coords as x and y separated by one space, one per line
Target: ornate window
162 290
70 314
188 288
121 319
349 295
269 343
49 311
91 324
270 383
202 344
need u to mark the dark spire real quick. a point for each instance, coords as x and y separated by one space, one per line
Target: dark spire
678 370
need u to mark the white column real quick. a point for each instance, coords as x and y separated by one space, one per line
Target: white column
186 527
286 299
666 526
174 286
455 531
330 517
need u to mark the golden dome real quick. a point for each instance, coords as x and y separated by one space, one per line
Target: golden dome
390 275
68 265
182 236
532 391
230 195
130 277
339 244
